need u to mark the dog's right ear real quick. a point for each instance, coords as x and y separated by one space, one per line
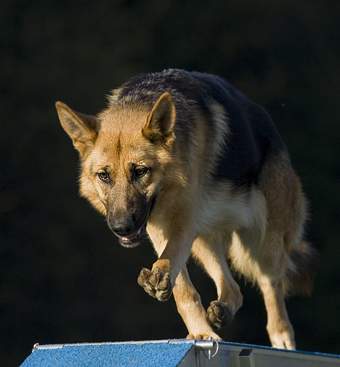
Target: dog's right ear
81 128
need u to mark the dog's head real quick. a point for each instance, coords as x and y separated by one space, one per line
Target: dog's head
124 152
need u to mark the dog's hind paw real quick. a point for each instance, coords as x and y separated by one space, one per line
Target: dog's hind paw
156 283
282 339
219 314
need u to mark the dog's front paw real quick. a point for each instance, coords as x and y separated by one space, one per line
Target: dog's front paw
219 314
156 283
204 336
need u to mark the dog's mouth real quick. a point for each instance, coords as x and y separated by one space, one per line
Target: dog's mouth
134 239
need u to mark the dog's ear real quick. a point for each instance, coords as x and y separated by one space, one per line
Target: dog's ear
81 128
159 126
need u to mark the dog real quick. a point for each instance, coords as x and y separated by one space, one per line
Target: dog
188 160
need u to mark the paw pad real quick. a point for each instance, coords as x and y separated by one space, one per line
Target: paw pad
219 314
156 283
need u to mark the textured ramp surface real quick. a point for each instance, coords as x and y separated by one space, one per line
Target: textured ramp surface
165 354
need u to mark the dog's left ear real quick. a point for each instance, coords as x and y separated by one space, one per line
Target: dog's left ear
81 128
160 123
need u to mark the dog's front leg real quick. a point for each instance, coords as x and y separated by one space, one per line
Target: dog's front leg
159 281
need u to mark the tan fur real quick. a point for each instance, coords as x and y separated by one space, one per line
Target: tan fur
257 229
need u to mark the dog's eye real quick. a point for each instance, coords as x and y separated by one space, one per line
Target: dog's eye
140 171
104 176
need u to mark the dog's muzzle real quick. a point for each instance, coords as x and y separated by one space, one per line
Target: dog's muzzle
125 229
134 239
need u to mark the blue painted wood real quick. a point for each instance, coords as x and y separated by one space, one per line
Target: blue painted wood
165 354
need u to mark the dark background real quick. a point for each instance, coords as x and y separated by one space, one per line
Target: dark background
63 278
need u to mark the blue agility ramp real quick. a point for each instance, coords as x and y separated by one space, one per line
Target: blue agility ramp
165 354
132 354
171 353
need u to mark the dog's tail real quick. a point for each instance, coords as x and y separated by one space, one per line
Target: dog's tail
301 270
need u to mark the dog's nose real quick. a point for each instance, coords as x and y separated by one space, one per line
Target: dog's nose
123 227
122 230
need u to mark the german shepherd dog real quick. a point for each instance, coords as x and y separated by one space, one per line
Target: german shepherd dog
189 160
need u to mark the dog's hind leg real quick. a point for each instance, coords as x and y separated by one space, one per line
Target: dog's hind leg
266 265
211 253
189 306
272 264
279 328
